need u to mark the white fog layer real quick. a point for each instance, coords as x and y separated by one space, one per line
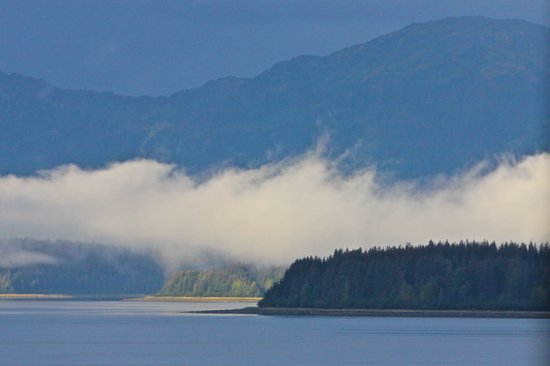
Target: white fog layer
275 213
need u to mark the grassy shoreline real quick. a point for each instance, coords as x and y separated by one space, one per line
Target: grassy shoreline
382 313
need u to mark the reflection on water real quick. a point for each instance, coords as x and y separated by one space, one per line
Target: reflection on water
160 333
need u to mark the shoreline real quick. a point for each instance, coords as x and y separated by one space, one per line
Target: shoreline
197 299
128 297
33 296
382 313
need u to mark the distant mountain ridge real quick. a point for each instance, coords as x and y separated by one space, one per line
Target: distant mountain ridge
430 98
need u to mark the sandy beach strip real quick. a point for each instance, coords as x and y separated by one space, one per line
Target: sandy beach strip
33 296
198 299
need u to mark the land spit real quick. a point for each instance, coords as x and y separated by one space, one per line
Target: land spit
33 296
198 299
381 313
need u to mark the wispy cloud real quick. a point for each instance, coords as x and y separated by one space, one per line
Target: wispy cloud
20 258
274 213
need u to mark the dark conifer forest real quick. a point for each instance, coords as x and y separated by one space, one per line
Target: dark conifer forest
467 275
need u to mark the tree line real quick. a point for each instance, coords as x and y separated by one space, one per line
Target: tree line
243 280
465 275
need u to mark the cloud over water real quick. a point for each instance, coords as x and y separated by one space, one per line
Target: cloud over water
276 212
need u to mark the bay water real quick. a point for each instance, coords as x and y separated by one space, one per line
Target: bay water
62 332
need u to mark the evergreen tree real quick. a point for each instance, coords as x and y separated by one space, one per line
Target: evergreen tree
465 275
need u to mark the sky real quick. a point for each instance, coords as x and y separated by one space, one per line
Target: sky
138 47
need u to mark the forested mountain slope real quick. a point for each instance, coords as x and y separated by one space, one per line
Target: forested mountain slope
430 98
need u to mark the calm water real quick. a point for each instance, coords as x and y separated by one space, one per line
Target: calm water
150 333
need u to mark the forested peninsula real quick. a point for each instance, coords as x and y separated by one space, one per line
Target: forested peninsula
442 276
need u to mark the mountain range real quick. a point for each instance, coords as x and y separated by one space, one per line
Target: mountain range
431 98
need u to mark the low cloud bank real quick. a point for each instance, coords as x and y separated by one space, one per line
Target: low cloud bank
22 258
274 213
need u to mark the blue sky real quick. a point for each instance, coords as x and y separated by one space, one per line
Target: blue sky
158 47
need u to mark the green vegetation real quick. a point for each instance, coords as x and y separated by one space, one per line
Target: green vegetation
467 275
236 281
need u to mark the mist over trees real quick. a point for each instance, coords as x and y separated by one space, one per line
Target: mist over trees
467 275
58 267
63 267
